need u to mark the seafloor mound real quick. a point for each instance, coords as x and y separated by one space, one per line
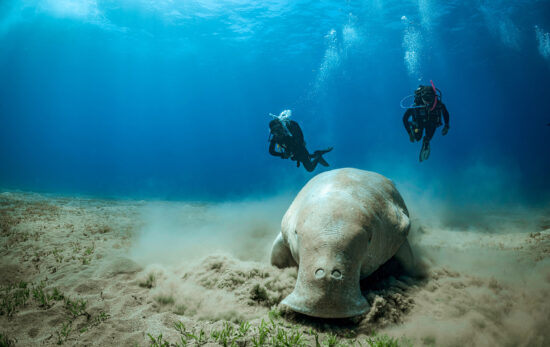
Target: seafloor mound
103 272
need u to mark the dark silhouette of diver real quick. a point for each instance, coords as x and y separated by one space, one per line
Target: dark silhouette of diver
286 140
426 115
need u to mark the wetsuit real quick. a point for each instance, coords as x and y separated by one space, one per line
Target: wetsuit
423 118
291 141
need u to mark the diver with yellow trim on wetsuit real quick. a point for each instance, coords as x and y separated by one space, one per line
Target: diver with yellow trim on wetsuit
426 115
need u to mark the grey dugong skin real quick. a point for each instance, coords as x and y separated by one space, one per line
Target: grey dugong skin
339 229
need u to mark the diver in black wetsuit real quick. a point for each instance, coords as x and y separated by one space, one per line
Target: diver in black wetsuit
287 141
426 115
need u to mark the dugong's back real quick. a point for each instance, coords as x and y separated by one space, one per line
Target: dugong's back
362 187
340 228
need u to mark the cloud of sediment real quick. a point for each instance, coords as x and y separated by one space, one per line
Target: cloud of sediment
487 285
209 259
487 254
487 267
175 232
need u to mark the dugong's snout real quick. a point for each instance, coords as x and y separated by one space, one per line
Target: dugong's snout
327 294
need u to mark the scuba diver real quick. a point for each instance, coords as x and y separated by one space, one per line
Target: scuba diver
426 116
286 140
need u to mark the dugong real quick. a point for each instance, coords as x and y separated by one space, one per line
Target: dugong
342 226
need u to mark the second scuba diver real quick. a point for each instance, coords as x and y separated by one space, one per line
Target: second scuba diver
426 115
286 140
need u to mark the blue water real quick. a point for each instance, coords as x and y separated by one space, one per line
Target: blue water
171 99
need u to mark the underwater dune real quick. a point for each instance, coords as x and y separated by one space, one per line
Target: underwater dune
88 272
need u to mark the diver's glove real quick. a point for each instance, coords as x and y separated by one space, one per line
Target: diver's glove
411 136
445 130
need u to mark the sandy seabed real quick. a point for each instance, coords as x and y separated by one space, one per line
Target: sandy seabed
85 272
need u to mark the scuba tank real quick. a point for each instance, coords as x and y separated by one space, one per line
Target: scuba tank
282 122
283 118
428 99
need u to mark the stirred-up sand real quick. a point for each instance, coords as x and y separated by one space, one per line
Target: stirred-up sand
85 272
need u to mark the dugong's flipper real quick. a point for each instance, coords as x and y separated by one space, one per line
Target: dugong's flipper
406 258
280 253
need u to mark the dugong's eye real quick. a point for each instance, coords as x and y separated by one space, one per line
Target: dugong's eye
296 231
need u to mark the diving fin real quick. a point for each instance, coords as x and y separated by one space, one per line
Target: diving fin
322 161
425 152
322 151
319 156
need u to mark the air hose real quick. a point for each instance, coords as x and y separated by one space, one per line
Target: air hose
435 93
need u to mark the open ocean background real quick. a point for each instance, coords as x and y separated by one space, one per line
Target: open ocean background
171 99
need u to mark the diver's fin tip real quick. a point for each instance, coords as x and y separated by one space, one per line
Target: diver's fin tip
323 162
322 151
